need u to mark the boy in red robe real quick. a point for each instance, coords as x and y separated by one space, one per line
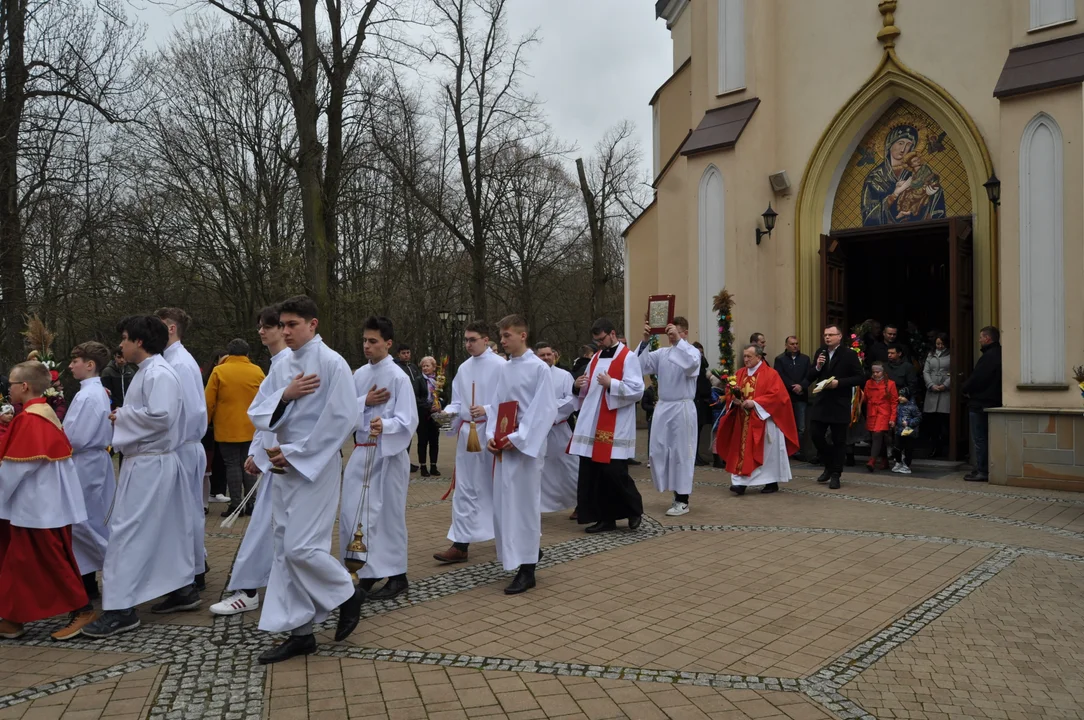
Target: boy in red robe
40 500
757 436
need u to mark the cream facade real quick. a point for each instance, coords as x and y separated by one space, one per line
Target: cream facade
818 91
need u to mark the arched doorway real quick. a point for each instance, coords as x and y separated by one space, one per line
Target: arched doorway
855 210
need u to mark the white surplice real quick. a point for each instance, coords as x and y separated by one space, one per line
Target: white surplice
517 474
150 542
193 456
41 494
472 501
89 431
307 582
776 466
622 397
561 471
383 512
673 427
252 567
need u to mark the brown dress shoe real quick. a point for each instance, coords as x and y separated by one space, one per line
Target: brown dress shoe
451 555
10 630
574 516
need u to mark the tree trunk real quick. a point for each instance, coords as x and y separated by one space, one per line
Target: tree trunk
598 272
12 277
309 165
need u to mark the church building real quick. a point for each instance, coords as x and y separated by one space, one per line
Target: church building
923 162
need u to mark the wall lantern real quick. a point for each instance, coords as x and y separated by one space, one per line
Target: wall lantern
769 223
993 189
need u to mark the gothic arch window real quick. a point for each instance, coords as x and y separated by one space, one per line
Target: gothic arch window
710 209
1042 278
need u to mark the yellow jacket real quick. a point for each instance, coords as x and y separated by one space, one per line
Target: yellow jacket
230 391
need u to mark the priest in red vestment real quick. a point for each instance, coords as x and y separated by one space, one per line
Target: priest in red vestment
40 500
758 435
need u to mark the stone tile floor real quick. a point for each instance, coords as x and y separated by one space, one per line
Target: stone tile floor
915 596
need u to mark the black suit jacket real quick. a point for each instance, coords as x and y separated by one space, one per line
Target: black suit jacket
834 405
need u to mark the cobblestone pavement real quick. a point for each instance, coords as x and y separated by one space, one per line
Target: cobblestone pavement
915 596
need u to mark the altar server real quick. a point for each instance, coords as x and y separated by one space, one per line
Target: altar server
387 420
88 429
310 417
560 473
472 499
517 474
150 541
673 427
193 456
252 567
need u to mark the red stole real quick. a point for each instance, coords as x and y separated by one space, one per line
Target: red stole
603 447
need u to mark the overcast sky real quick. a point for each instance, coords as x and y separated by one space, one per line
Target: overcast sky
598 63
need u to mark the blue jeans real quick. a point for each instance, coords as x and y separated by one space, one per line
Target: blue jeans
979 437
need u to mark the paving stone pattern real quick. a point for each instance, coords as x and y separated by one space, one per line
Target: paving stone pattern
786 606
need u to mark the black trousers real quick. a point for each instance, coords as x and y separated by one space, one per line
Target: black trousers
834 452
606 492
428 439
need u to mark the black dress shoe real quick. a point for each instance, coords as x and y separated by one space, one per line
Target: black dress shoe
349 615
976 477
249 509
737 489
229 511
295 645
186 598
413 468
770 488
833 484
393 588
718 463
523 581
634 461
850 460
816 460
700 462
635 522
824 476
602 526
425 471
433 470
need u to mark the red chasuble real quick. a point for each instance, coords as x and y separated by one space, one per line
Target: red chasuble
39 577
740 439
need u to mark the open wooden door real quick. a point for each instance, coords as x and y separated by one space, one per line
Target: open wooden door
833 285
961 329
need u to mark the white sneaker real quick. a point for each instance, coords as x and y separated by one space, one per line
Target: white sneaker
239 602
677 508
904 470
896 467
220 498
648 464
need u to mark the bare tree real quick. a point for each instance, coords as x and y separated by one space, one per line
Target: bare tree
612 195
56 53
317 57
484 116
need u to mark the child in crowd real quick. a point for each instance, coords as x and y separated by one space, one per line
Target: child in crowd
908 417
880 396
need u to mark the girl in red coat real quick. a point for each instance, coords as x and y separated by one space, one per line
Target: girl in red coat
881 400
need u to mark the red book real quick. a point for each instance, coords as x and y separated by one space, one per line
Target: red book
507 422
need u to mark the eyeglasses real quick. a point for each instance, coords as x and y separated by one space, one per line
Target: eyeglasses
469 340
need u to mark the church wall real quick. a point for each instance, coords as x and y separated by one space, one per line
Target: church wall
673 104
1021 23
675 254
1066 107
681 34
